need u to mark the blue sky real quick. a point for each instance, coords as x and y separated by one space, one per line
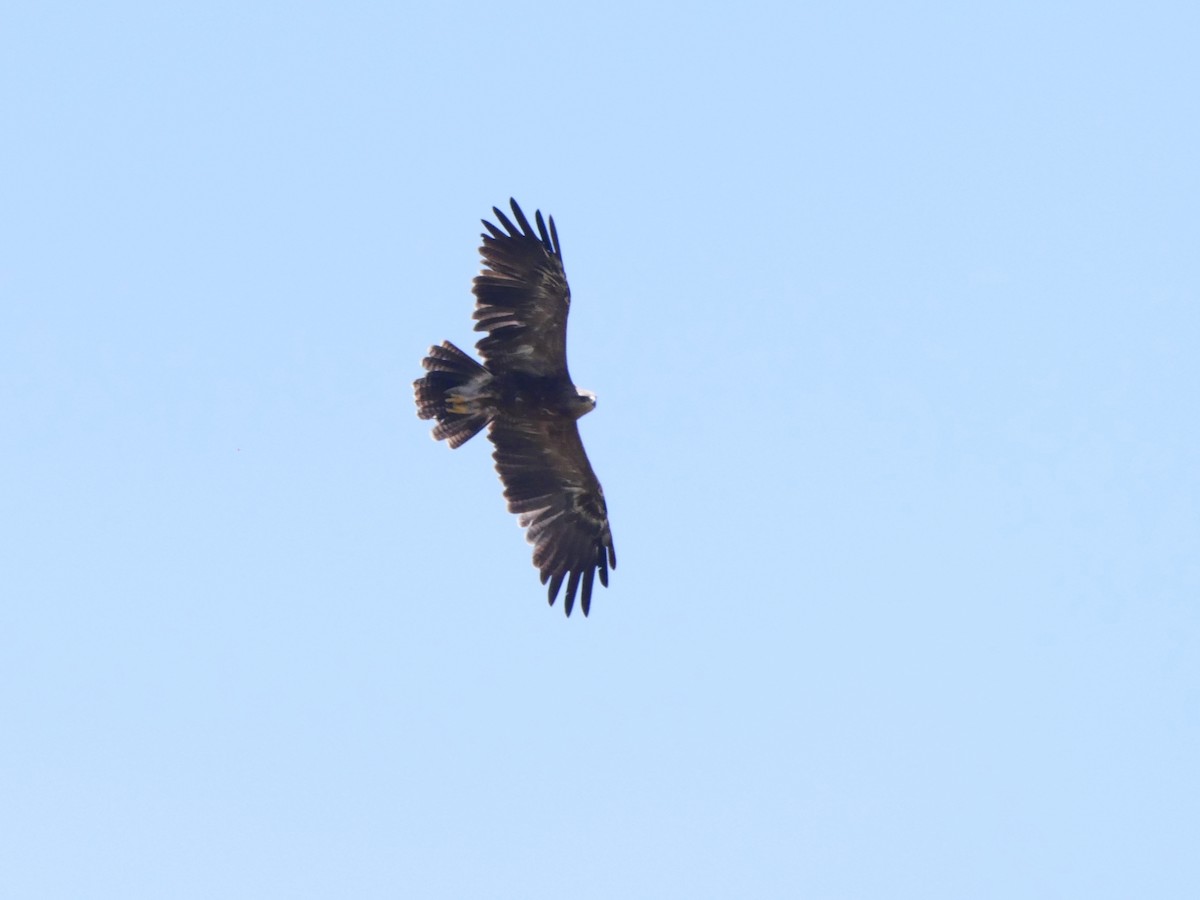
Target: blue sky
893 316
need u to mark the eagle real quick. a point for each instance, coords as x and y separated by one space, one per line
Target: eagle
523 393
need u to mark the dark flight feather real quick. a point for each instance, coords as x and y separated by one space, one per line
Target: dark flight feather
522 298
550 485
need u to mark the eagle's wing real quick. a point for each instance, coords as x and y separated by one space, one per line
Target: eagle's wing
550 485
522 298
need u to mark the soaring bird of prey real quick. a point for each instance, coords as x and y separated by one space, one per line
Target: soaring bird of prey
524 394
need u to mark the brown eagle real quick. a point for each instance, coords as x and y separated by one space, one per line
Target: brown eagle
524 394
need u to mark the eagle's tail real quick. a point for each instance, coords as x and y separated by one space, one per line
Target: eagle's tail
455 392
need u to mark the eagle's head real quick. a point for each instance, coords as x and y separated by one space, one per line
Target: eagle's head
584 402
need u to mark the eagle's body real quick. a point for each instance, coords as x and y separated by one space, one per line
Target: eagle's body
523 392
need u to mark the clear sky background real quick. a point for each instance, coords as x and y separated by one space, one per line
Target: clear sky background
893 312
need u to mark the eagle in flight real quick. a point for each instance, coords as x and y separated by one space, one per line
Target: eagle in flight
524 394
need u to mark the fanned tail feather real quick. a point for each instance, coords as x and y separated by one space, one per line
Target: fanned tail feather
455 379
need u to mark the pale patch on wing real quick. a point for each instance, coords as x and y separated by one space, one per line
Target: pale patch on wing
536 523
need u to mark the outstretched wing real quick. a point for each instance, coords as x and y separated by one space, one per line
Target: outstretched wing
550 485
522 298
